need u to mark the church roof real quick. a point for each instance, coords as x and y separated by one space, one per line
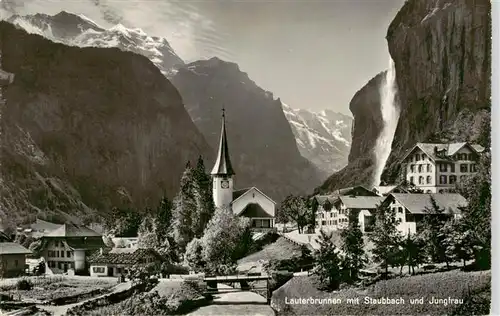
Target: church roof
223 163
240 192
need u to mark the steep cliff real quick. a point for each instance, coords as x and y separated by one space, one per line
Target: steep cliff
365 107
441 50
262 145
85 129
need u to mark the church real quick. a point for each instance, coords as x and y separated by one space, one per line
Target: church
249 202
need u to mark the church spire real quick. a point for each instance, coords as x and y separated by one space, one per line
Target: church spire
223 163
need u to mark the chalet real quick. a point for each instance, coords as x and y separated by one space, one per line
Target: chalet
438 167
12 259
363 206
68 247
326 215
411 208
118 261
251 202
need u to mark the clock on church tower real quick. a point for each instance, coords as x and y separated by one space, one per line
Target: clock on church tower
224 184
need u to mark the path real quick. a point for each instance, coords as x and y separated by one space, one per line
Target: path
62 309
235 303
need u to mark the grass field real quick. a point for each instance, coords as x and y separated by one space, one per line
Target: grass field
453 284
48 288
281 249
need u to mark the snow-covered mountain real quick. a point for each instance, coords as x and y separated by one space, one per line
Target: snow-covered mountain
78 30
322 137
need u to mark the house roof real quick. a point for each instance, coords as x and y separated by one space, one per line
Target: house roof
85 243
12 248
41 225
450 149
254 210
223 164
123 256
72 230
361 202
419 203
343 192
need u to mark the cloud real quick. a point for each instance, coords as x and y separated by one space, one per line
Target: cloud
191 33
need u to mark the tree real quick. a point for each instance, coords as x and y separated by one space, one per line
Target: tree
327 262
184 210
353 248
412 252
477 214
164 218
148 234
220 240
194 255
203 196
123 222
433 234
295 208
458 241
385 237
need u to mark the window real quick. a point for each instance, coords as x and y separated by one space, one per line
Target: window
335 222
420 180
57 253
417 157
464 156
400 210
443 167
420 168
452 167
411 180
412 168
453 179
62 254
463 168
471 157
472 168
429 167
59 265
68 254
98 269
429 179
442 180
323 223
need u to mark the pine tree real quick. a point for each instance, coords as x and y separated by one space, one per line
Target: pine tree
458 241
327 262
194 255
477 214
412 252
353 248
164 218
433 233
204 199
385 237
184 209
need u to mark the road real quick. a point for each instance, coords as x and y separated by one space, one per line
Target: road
235 304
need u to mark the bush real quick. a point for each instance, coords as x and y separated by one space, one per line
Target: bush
279 278
24 285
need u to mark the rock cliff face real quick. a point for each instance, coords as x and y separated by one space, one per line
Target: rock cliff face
85 129
441 50
261 143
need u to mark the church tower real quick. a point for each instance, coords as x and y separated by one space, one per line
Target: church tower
222 173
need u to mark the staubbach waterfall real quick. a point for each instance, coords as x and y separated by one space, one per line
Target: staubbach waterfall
390 116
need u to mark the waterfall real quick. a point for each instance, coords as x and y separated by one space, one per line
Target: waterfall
390 116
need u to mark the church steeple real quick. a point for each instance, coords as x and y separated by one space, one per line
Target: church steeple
223 165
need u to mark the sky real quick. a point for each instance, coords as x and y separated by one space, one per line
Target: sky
312 54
